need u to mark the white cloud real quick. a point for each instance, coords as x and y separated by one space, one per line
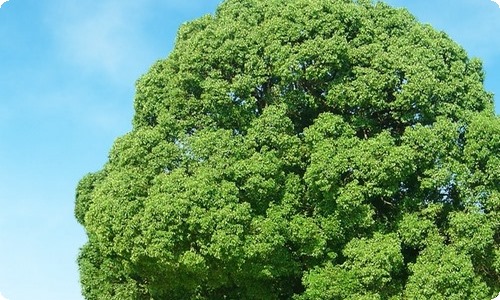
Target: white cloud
2 297
1 3
97 41
115 38
101 37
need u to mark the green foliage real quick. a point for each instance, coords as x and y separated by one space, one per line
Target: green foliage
441 272
300 149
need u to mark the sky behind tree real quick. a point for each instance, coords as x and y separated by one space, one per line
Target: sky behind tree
67 74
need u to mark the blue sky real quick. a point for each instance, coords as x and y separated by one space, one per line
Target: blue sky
67 74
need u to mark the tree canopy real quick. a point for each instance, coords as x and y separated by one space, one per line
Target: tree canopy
301 149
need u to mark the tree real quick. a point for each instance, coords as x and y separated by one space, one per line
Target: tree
301 149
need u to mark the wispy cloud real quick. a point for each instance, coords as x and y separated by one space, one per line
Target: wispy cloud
115 38
2 297
103 37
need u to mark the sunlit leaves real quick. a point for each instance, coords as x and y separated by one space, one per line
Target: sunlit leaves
443 273
298 149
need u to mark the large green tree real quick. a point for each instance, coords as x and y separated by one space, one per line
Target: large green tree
301 149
